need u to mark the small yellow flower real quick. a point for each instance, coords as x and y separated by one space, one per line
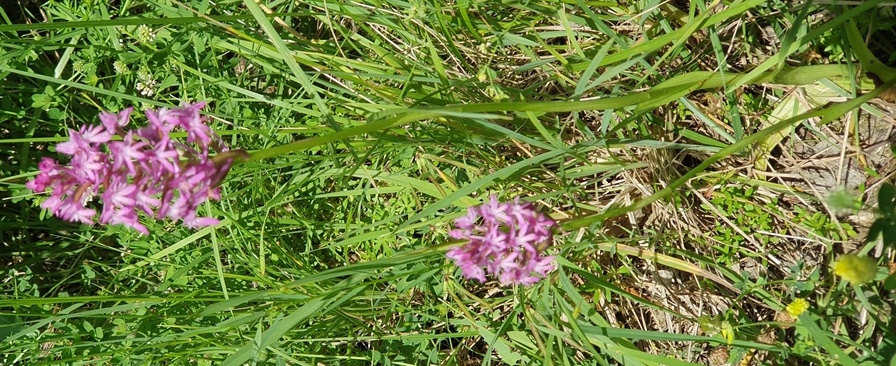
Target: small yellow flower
797 307
854 269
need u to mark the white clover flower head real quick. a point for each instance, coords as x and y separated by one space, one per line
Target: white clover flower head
145 34
146 84
120 67
79 66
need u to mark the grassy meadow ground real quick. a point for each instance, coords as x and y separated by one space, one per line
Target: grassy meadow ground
707 163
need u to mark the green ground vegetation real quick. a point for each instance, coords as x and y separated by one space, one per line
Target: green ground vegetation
708 162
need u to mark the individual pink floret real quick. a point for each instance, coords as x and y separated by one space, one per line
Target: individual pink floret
114 122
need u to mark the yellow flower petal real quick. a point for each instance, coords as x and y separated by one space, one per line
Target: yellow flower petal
855 269
797 307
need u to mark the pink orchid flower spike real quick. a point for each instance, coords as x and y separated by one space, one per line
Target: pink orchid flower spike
504 240
139 170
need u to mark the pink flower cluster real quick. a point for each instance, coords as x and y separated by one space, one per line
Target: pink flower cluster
505 240
145 170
